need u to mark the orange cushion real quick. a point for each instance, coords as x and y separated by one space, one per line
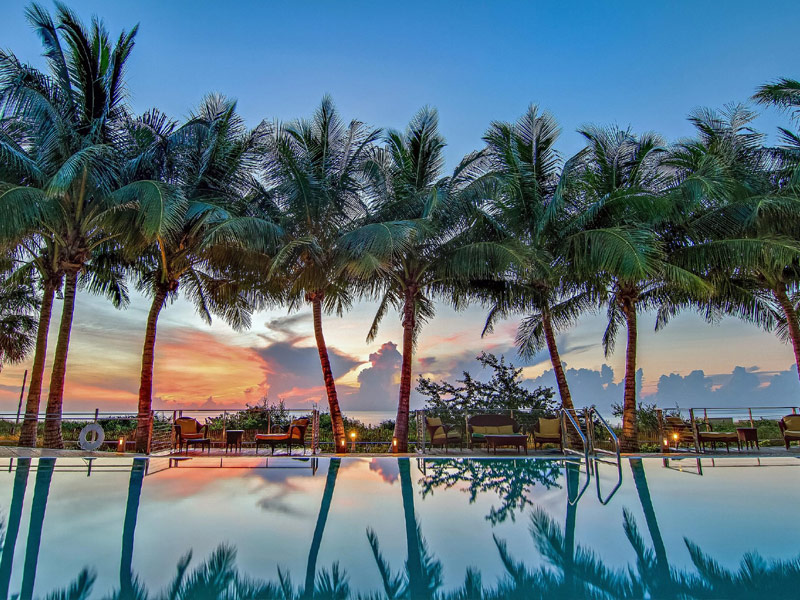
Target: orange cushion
272 436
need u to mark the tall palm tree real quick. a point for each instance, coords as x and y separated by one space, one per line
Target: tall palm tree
74 114
210 162
526 164
434 244
315 177
622 212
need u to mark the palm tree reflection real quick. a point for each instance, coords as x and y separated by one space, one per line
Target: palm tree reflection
511 480
565 569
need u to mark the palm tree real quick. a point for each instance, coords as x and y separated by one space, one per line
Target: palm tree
526 165
743 224
618 236
315 174
18 304
74 114
209 161
426 237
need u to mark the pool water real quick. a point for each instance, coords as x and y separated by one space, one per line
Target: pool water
389 527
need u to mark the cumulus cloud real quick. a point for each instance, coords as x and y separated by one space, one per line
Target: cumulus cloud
377 383
293 371
741 387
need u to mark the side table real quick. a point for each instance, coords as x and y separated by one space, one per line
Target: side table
748 436
233 439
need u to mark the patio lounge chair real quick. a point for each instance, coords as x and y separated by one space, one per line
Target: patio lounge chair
442 434
790 428
480 426
717 437
547 431
294 433
187 429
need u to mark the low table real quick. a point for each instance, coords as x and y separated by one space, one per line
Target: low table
202 442
748 436
233 439
512 439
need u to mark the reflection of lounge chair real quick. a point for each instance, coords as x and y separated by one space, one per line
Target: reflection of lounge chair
547 431
442 434
294 433
717 437
790 428
188 429
479 426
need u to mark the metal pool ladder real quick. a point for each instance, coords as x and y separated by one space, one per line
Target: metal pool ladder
595 417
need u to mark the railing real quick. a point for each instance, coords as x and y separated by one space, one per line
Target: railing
566 417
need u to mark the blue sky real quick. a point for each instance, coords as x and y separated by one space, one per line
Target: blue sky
643 64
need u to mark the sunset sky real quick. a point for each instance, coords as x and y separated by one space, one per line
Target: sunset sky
646 65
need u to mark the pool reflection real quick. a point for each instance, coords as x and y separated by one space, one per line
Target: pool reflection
457 529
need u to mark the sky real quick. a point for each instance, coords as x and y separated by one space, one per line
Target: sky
643 65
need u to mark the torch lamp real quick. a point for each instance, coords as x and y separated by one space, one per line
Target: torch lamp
353 440
121 444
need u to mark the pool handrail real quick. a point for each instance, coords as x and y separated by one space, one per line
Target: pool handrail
565 415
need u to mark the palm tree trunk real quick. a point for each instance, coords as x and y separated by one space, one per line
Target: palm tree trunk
409 324
330 385
55 397
643 490
41 490
629 441
572 476
146 379
319 529
13 523
27 435
416 584
129 528
555 359
791 321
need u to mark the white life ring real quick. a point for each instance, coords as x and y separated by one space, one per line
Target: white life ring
88 444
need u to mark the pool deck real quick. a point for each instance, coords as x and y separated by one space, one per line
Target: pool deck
18 452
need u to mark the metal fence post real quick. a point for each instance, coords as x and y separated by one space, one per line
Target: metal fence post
421 431
314 430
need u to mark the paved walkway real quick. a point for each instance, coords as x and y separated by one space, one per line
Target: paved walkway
16 452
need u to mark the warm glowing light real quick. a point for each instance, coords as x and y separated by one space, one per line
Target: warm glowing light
394 441
121 445
666 441
675 436
352 435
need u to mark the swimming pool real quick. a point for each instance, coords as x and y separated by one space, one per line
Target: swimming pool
488 528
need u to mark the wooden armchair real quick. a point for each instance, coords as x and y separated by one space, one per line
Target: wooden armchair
187 428
293 433
547 431
790 428
442 434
